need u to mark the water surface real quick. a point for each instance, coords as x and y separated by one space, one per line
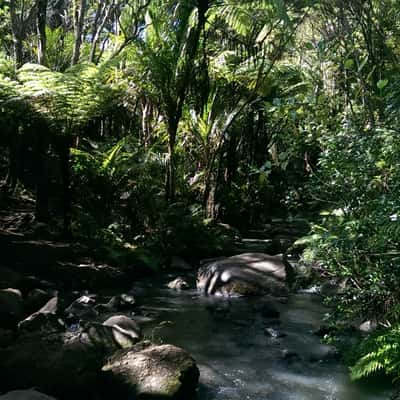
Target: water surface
237 360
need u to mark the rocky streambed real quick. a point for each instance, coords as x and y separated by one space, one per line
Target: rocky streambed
165 339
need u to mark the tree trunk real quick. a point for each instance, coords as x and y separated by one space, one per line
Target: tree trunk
170 184
79 17
17 34
41 30
175 108
42 182
102 16
63 150
14 151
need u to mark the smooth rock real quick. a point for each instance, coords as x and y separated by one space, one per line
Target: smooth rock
246 274
368 326
274 333
178 284
163 372
25 395
82 308
125 330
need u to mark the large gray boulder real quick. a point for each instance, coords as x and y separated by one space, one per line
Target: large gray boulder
246 274
163 372
25 395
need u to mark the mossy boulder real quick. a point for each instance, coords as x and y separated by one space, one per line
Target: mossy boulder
163 372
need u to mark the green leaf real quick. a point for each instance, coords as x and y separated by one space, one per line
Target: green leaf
349 63
382 83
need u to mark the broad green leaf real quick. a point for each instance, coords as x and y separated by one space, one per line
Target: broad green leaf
382 83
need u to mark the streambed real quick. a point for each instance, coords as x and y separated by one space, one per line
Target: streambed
237 359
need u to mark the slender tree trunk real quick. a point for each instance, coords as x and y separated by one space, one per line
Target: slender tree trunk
41 30
170 184
146 121
63 150
102 17
79 17
42 182
175 108
17 34
14 151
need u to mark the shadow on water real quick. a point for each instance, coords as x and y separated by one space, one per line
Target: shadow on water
238 361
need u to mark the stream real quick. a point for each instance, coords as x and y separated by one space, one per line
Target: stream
237 360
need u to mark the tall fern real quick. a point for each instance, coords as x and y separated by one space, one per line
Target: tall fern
383 355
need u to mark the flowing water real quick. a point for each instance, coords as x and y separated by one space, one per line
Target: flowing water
237 360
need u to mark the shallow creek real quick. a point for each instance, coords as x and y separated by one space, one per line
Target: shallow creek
237 360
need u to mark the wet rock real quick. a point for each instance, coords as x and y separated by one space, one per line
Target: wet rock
274 333
45 320
162 372
246 274
368 326
178 284
25 395
38 322
82 308
36 299
121 302
125 330
52 365
11 308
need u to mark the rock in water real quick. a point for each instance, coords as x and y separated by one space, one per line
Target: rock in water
44 320
246 274
25 395
125 330
161 372
68 370
274 333
178 284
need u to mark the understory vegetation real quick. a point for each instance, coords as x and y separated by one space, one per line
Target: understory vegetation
151 128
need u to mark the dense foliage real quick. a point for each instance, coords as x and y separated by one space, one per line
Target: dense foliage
146 123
